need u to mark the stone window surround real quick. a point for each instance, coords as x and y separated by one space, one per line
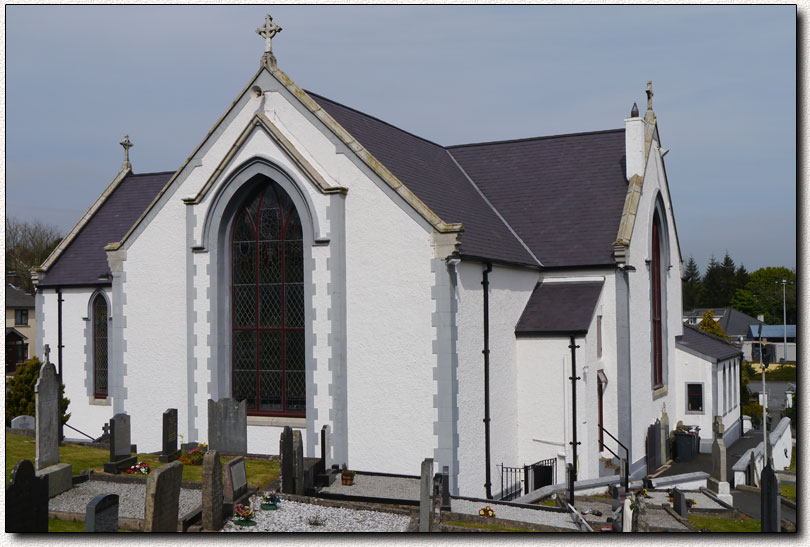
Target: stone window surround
702 398
90 349
664 250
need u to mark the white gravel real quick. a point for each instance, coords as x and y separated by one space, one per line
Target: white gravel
376 486
131 498
535 516
293 516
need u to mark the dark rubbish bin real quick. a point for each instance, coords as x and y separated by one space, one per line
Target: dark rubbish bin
685 446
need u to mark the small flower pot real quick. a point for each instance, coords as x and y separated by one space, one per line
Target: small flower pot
269 506
245 522
347 479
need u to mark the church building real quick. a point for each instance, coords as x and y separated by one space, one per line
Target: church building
421 300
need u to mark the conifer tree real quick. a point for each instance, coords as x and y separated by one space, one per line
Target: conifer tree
691 285
711 295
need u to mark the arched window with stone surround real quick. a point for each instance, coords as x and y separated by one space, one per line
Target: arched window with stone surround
100 353
267 304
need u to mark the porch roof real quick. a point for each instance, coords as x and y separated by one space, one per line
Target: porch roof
560 308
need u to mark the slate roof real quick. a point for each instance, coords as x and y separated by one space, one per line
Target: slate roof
84 260
17 298
733 322
706 344
562 195
429 172
560 308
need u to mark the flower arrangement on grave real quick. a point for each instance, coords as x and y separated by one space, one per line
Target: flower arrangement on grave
245 515
270 500
346 476
670 494
194 456
644 494
690 502
486 511
140 468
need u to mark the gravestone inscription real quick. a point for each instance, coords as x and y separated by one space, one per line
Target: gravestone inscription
102 514
26 500
212 491
235 479
170 451
163 498
227 426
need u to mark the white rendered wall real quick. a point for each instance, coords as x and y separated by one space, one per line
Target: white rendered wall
694 370
510 289
87 414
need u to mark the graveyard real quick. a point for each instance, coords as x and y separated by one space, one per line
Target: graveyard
108 486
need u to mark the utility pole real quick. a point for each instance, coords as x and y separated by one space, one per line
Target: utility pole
784 283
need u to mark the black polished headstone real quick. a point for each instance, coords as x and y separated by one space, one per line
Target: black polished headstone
102 514
170 451
26 500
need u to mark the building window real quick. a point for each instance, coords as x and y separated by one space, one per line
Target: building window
100 367
267 291
22 352
694 397
20 317
657 312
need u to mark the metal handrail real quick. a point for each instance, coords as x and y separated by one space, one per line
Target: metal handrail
626 478
83 433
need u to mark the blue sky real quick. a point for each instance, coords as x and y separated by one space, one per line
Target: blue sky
724 79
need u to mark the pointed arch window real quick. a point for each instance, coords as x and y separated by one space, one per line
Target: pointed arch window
100 362
267 292
657 312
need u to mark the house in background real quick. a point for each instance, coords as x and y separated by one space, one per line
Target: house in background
734 323
773 338
332 269
20 327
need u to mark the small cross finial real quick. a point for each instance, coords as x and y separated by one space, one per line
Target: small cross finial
47 350
267 32
649 94
127 144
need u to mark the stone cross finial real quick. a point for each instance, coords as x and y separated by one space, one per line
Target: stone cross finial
47 353
267 32
127 144
649 94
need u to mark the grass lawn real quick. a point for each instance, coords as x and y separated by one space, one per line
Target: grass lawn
61 526
716 524
548 503
260 473
785 373
789 491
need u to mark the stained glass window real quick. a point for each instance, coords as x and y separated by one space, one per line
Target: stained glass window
100 346
267 291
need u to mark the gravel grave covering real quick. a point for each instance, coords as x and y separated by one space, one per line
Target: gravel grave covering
520 514
131 498
293 516
374 486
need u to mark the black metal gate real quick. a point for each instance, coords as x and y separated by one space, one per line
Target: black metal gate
654 447
517 481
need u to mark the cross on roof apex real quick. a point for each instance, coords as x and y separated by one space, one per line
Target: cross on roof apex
268 31
127 144
649 94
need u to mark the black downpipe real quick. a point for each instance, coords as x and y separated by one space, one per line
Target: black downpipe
59 347
574 443
485 283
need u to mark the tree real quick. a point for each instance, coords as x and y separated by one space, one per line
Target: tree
741 278
712 294
691 285
708 324
727 280
20 395
744 301
28 244
765 287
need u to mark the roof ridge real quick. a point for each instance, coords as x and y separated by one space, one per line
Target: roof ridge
542 137
708 334
131 174
375 118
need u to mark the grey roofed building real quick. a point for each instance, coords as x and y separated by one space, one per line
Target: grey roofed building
514 198
17 298
695 341
771 331
734 323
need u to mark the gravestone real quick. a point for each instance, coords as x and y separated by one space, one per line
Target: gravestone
679 503
323 476
170 451
120 447
627 516
717 483
426 497
286 461
298 462
26 500
665 456
617 494
163 498
227 426
445 488
212 491
235 479
769 501
23 422
48 420
102 514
